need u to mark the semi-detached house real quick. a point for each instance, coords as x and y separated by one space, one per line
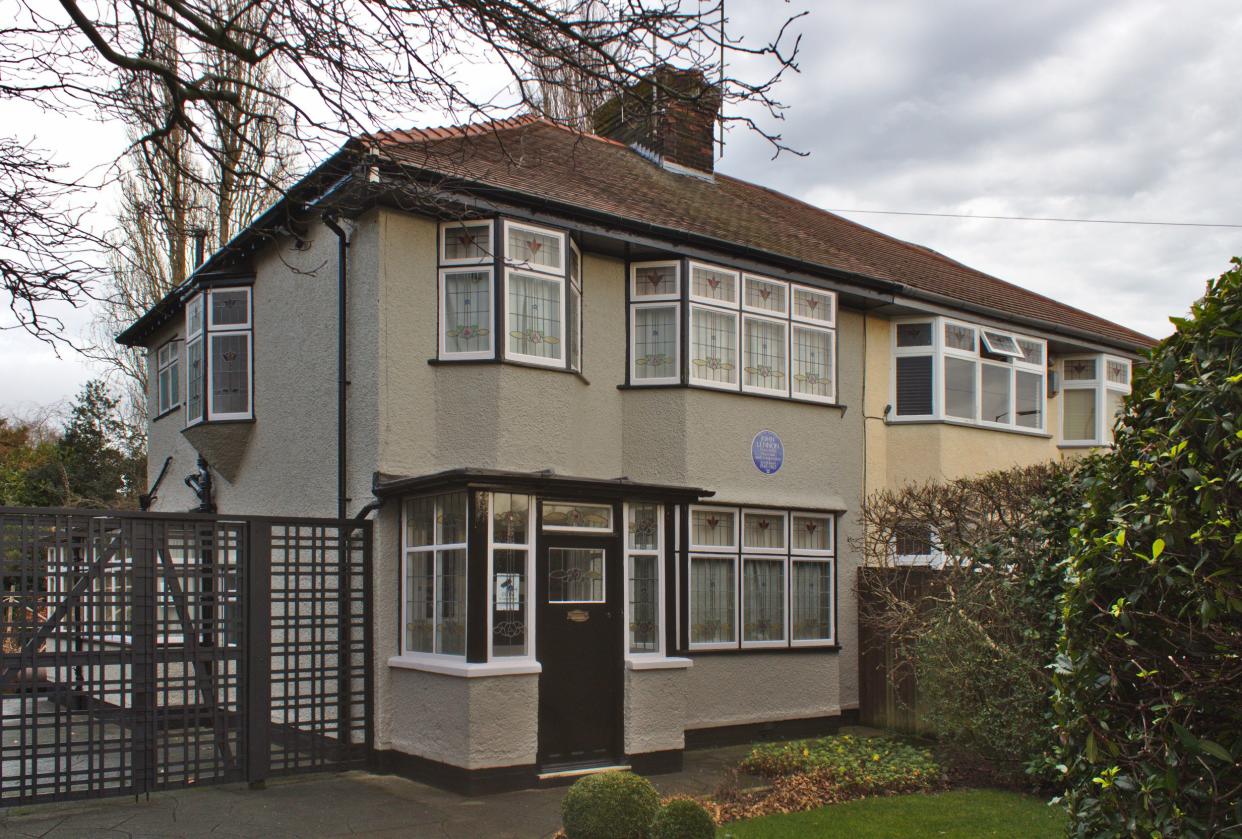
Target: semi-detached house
614 414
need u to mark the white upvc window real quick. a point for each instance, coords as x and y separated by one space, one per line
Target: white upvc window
760 578
655 347
466 296
535 317
533 248
219 355
168 377
765 355
644 579
1093 391
467 243
574 308
434 557
655 280
713 347
511 551
945 369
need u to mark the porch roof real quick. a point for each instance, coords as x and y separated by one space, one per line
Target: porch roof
545 482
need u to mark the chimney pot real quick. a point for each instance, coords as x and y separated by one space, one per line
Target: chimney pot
671 113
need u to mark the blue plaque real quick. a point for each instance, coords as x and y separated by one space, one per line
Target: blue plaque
767 451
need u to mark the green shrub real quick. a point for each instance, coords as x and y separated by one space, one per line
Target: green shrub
610 805
868 764
1149 668
683 819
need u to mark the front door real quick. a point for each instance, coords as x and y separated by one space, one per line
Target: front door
578 640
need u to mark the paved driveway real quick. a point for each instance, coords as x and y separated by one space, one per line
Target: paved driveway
347 804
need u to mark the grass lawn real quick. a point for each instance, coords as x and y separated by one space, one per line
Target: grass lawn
962 814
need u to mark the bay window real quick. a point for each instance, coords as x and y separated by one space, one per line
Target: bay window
760 578
746 333
1093 390
219 364
959 372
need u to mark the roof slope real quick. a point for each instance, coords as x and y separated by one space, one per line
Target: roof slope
539 158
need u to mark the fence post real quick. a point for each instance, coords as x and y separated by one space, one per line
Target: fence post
258 646
139 535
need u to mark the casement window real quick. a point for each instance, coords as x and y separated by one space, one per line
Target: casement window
745 333
644 604
511 551
536 311
434 573
1093 391
219 356
760 578
168 377
959 372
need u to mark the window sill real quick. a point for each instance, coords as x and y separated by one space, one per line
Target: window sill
799 647
174 409
465 669
658 663
1023 432
707 389
465 362
210 422
1084 445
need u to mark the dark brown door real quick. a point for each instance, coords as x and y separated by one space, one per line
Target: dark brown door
578 641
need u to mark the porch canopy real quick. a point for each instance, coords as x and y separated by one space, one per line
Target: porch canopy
544 483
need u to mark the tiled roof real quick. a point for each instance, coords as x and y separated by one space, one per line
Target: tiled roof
539 158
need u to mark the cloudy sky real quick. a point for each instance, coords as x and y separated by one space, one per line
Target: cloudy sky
1121 110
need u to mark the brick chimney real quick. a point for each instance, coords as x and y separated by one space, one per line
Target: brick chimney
670 115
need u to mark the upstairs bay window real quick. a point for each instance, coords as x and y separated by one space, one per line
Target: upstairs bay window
948 370
1093 390
746 333
219 364
537 312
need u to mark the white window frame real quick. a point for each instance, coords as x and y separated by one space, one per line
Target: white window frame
756 511
830 551
747 316
490 352
786 568
659 553
557 362
712 301
732 387
204 336
675 295
556 271
486 259
492 547
759 310
674 379
830 322
1102 386
737 523
209 310
569 528
986 335
831 397
575 283
196 336
732 557
167 360
940 352
406 551
212 413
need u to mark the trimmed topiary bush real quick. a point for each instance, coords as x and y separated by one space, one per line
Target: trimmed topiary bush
1148 674
683 819
610 805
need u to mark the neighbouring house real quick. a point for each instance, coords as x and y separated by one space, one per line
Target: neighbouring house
614 413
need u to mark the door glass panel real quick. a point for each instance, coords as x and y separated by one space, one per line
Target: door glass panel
575 575
577 516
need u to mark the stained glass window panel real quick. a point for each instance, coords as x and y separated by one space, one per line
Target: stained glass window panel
194 379
959 337
655 342
467 318
194 315
959 388
713 528
1030 399
420 606
809 304
713 345
510 518
716 284
813 362
764 359
914 334
643 529
763 530
230 373
451 602
575 328
528 246
1032 351
535 315
763 600
451 518
578 516
655 280
1079 369
420 522
767 295
811 533
575 575
644 604
1118 371
509 602
467 241
811 616
713 592
230 308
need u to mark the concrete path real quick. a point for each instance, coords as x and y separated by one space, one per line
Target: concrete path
346 804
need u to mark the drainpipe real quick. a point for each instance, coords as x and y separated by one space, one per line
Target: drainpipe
342 263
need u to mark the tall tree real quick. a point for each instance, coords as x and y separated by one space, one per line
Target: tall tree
344 68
